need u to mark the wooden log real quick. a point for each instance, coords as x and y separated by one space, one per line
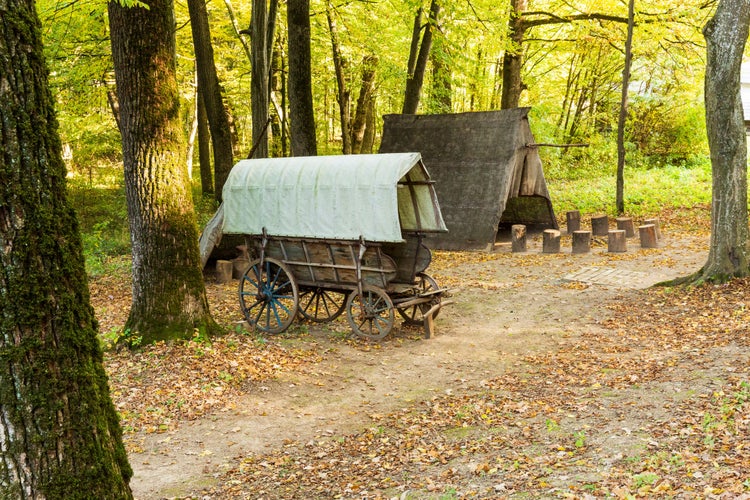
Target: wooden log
550 241
581 241
223 271
617 241
573 219
599 225
626 224
655 222
518 238
647 233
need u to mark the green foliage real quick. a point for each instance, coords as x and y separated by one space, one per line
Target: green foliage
103 220
584 179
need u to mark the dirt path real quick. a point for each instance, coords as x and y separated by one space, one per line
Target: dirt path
506 306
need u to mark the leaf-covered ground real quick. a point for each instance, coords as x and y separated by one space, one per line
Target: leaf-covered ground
650 399
654 404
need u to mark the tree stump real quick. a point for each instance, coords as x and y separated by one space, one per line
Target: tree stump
518 238
655 222
617 241
581 241
600 225
626 224
573 219
648 237
239 266
550 241
224 271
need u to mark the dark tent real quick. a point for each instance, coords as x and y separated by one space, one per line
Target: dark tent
487 171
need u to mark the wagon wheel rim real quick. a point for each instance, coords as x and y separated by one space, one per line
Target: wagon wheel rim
414 315
370 314
321 305
269 297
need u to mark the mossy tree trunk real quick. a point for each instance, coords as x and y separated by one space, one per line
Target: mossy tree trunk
169 296
726 34
59 433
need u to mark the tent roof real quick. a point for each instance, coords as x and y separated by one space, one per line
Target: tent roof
485 171
333 197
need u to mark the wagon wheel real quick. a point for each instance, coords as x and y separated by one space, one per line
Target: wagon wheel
414 315
371 313
320 304
268 296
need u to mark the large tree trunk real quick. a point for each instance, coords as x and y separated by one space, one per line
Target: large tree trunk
726 34
208 86
620 187
169 297
59 432
262 24
415 79
302 115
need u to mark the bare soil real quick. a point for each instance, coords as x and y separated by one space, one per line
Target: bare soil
506 307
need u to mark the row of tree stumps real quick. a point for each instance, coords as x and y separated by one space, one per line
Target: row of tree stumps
649 234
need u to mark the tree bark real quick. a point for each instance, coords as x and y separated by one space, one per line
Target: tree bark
726 35
262 24
169 297
59 432
204 149
366 91
620 187
415 79
208 86
302 115
513 57
343 95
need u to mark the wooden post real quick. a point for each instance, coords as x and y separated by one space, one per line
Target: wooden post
617 241
626 223
647 234
224 271
518 238
573 219
655 222
581 241
550 241
599 225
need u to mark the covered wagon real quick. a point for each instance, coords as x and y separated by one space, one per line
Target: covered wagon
329 234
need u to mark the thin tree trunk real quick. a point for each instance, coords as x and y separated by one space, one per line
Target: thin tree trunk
262 26
169 297
359 124
208 86
620 195
513 57
368 141
343 96
415 80
59 431
204 149
301 111
441 77
726 35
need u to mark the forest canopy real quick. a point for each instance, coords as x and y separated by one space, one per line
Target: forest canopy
572 52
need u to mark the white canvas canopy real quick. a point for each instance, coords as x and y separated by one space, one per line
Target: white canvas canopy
374 196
